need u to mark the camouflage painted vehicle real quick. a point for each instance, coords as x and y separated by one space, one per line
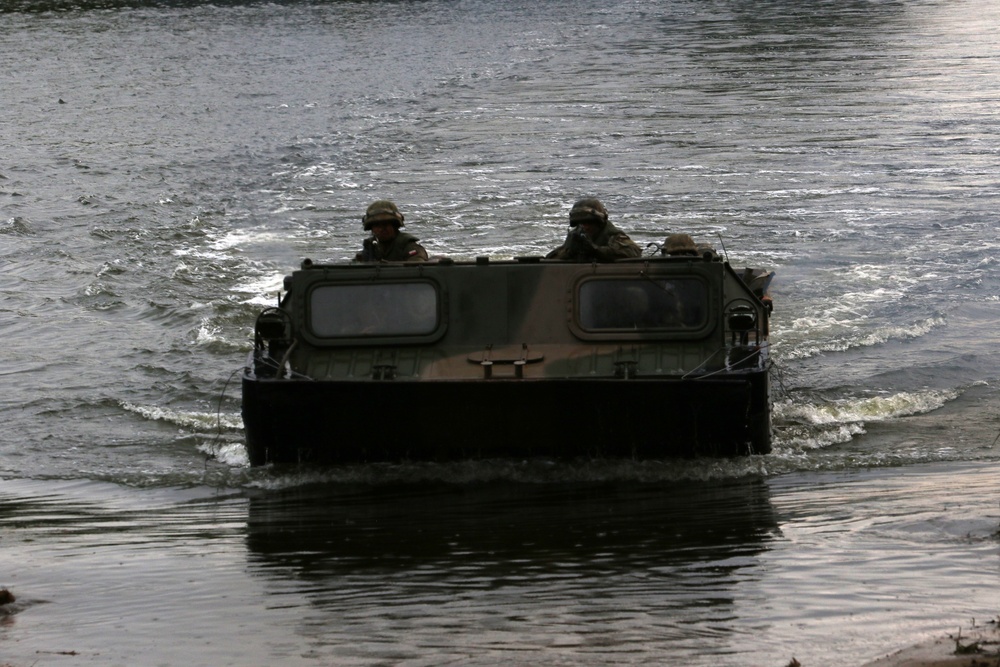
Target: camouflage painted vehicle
651 357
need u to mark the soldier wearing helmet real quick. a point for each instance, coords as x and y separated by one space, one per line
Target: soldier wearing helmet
386 242
592 238
681 245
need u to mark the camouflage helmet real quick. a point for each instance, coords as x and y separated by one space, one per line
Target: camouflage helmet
382 210
588 210
679 244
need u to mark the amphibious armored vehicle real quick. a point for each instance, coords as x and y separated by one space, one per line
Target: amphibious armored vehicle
651 357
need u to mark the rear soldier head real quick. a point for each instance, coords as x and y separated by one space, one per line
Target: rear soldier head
680 244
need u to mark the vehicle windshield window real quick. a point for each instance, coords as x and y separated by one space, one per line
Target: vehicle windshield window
643 305
380 309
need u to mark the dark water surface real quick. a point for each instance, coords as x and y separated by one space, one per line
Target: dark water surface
164 164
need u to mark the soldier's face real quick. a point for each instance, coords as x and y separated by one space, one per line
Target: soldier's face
590 229
384 231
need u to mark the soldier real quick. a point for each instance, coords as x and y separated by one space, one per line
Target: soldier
680 244
592 237
387 243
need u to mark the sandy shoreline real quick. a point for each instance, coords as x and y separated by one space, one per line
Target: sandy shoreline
975 646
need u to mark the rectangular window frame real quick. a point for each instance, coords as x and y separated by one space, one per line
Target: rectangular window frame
582 321
321 333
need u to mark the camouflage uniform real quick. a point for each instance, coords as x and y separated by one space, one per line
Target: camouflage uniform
402 247
609 244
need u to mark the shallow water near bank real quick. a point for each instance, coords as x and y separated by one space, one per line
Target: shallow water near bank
834 568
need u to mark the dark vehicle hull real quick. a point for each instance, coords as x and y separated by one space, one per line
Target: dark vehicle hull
338 422
650 359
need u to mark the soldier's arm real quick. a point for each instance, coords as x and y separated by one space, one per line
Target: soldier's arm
619 246
415 253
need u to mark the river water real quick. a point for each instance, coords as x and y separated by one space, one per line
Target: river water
164 164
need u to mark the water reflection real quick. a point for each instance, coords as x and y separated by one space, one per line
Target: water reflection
505 524
597 569
505 529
